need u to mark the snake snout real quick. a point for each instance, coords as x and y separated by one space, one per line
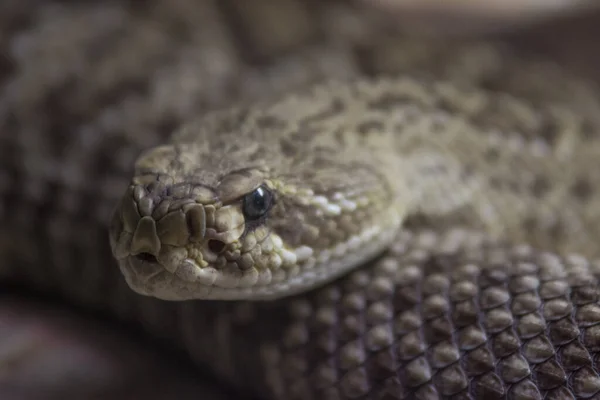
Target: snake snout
156 224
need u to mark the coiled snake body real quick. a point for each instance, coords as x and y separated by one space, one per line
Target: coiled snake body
383 219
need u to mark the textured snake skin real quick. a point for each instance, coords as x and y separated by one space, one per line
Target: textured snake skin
442 314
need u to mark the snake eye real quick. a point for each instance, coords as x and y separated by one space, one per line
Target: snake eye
257 203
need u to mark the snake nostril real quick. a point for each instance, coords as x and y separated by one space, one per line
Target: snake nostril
147 257
216 246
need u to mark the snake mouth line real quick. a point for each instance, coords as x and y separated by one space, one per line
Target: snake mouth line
152 279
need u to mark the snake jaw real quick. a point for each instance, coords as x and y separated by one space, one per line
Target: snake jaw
183 273
167 244
171 246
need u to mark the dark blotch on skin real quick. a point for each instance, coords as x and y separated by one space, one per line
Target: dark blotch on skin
366 127
335 108
549 131
340 137
288 147
588 130
245 172
492 154
540 186
446 106
496 182
305 134
269 122
321 158
389 101
582 189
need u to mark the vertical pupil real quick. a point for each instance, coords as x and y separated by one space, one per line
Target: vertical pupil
257 203
259 200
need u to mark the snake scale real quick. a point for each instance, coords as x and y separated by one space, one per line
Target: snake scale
459 172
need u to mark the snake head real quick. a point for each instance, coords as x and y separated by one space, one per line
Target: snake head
182 240
226 212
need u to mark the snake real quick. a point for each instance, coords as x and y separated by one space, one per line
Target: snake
282 197
370 237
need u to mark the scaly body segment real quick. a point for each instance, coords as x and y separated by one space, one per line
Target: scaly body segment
285 195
